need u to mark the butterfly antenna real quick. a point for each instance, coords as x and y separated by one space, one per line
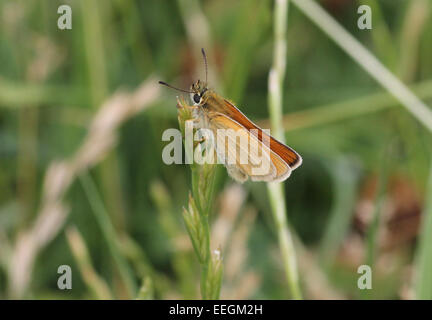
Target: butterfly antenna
205 62
172 87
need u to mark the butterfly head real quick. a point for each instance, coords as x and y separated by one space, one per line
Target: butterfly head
198 90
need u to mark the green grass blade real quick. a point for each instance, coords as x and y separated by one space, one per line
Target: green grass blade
345 177
424 255
367 60
108 232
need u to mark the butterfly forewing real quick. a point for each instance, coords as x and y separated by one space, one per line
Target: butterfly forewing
262 163
291 157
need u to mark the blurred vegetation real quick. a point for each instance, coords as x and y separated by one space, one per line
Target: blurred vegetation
83 184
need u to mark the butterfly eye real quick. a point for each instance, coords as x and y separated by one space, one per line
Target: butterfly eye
196 98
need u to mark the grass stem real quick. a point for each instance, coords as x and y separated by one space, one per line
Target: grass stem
275 190
196 217
423 289
366 60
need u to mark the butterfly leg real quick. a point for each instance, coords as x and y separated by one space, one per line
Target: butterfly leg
203 137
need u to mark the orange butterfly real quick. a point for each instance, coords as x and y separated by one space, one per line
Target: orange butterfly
267 159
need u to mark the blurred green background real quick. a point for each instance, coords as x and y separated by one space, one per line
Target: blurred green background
95 195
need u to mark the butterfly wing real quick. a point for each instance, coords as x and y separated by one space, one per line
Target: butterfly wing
287 154
262 164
